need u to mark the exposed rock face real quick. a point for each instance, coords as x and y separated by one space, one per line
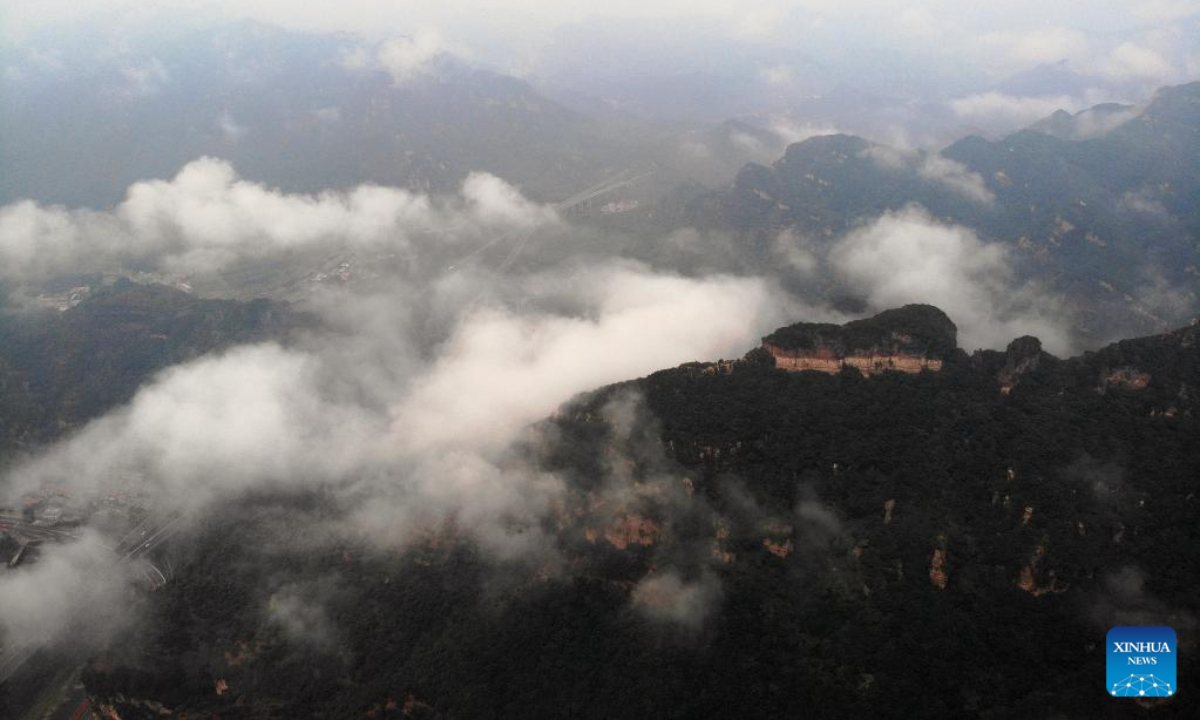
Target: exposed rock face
937 569
825 360
632 530
909 340
1029 574
1022 356
1128 378
720 537
779 549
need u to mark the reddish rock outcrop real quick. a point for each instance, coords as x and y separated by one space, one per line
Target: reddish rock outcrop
632 530
826 360
937 569
1028 581
1127 378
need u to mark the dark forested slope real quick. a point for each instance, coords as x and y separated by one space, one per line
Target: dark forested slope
741 541
60 369
1108 221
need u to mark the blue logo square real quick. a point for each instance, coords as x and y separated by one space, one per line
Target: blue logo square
1141 662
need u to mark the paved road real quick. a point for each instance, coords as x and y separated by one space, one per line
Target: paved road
152 532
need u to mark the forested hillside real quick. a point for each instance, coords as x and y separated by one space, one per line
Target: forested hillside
736 541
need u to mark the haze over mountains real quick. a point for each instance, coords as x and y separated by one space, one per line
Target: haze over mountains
693 360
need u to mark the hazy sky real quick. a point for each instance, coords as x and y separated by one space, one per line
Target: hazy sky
1142 38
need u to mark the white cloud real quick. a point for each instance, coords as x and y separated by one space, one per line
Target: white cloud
75 590
492 200
1165 10
909 257
955 176
207 217
146 78
667 597
406 58
949 173
918 22
1039 46
797 252
354 58
230 128
656 321
792 131
995 107
1130 61
777 75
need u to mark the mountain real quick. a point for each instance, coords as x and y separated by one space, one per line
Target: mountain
746 538
1084 124
1100 219
60 369
302 112
1047 80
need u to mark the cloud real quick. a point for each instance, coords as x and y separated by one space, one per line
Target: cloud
353 58
919 22
949 173
231 129
406 58
74 590
955 176
206 217
146 78
403 435
1123 600
797 252
1132 62
667 597
792 132
1039 46
255 416
909 257
494 201
412 431
1165 10
1016 111
656 321
1144 202
299 611
777 75
1092 123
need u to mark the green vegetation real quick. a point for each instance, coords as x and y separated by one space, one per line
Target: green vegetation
1100 449
58 370
913 328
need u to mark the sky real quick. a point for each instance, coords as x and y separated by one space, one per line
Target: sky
1144 39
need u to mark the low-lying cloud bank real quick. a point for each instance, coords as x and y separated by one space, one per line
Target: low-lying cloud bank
404 440
948 173
206 218
908 256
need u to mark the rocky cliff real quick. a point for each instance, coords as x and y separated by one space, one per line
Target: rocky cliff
909 339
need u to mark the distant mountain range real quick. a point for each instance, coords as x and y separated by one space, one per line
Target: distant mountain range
1099 204
302 112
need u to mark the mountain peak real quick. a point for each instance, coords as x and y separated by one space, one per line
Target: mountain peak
906 339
